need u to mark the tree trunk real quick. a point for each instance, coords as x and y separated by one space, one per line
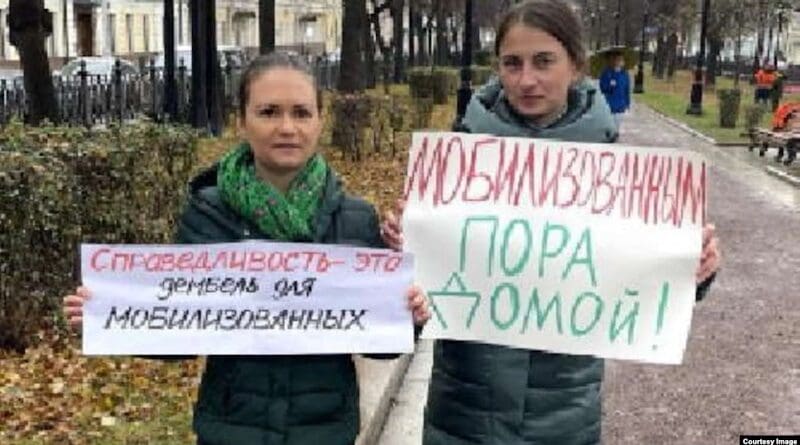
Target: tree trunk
769 43
714 48
29 24
455 41
206 73
659 62
738 55
197 31
672 55
351 73
422 39
369 51
375 25
266 26
397 27
759 42
170 86
442 53
412 29
214 74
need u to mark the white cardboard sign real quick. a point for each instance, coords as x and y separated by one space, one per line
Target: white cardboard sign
245 298
574 248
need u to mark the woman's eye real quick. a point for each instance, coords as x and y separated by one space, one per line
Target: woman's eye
302 113
543 61
512 63
267 112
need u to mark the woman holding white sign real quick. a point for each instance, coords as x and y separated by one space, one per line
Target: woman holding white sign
275 186
488 394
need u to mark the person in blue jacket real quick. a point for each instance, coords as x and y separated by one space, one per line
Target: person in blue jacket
616 87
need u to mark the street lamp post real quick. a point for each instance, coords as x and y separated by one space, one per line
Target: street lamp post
638 83
696 105
465 91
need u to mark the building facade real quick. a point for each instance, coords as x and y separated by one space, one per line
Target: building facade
134 28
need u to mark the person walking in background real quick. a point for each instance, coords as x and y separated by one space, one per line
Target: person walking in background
615 83
765 78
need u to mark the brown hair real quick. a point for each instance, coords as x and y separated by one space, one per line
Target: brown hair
554 17
266 62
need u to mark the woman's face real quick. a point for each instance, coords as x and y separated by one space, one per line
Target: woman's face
536 72
281 122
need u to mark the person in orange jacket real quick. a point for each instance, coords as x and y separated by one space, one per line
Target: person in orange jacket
765 77
787 117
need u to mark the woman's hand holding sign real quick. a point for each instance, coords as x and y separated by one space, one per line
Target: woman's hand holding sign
710 257
73 307
418 305
391 229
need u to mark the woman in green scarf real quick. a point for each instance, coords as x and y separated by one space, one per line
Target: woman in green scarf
276 186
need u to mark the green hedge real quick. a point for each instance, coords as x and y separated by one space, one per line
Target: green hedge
481 75
753 114
433 82
63 186
362 123
441 84
729 100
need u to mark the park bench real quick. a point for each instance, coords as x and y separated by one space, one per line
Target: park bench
787 142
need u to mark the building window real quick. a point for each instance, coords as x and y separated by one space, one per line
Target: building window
129 31
146 31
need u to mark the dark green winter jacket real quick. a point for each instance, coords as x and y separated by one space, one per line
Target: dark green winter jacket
483 394
277 400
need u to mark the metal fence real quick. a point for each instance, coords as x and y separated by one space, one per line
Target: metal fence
97 100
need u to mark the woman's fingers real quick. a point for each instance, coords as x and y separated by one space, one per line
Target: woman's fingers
73 306
709 230
83 292
418 305
709 262
391 231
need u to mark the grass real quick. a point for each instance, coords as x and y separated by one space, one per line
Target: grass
671 97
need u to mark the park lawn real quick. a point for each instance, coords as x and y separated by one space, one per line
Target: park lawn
671 97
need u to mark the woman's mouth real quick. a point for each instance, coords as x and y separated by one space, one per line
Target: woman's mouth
532 97
286 146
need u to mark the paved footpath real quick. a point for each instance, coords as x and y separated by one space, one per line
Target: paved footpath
741 370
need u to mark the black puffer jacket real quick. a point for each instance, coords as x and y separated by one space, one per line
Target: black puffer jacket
482 394
277 400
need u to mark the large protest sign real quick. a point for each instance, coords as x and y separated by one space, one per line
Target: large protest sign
245 298
540 244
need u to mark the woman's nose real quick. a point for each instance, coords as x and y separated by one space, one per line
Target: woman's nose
530 76
286 124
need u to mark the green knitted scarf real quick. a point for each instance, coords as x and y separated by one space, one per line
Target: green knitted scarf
285 217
